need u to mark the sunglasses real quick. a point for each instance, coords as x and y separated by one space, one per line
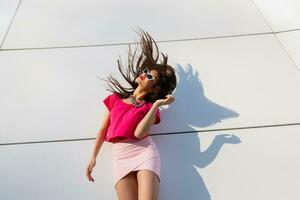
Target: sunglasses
148 74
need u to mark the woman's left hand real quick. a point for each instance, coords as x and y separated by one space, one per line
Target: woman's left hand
160 102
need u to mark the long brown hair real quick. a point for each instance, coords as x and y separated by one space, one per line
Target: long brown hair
166 82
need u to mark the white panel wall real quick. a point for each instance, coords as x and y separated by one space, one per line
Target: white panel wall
282 15
7 11
237 74
56 23
291 43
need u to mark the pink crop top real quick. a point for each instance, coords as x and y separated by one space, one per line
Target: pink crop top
124 118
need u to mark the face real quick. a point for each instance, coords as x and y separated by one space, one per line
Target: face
145 83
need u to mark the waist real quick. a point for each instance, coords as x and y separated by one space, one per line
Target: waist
134 142
121 137
129 146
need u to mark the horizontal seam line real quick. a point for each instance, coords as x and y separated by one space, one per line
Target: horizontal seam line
124 43
157 134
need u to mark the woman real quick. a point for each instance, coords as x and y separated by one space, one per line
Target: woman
127 120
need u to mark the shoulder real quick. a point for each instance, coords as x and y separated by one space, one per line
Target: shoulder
110 100
148 105
114 96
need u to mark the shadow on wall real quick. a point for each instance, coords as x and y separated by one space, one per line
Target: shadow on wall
180 153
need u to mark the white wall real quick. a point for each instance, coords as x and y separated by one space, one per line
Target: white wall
238 70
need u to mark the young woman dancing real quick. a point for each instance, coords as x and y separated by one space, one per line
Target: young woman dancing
128 119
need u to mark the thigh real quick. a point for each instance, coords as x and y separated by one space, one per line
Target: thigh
127 187
148 185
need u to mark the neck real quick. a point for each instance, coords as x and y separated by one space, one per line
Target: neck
139 95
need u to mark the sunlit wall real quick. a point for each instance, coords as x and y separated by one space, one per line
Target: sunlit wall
231 134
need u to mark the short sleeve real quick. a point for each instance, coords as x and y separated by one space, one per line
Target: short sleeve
157 116
157 113
110 100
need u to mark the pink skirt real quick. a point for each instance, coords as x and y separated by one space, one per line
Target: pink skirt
133 155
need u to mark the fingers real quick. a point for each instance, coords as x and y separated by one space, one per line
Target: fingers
169 99
90 177
88 173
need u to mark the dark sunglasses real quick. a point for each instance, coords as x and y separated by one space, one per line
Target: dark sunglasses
148 74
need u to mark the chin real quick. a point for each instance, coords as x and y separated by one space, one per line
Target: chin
137 81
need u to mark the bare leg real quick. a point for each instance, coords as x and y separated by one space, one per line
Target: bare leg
148 185
127 188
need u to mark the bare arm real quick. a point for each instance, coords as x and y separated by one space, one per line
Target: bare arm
145 124
100 135
98 143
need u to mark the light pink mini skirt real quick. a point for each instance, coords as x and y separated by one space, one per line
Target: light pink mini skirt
133 155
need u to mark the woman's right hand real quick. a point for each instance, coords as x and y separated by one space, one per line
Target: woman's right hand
89 169
160 102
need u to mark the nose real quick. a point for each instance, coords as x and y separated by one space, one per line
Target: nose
142 76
